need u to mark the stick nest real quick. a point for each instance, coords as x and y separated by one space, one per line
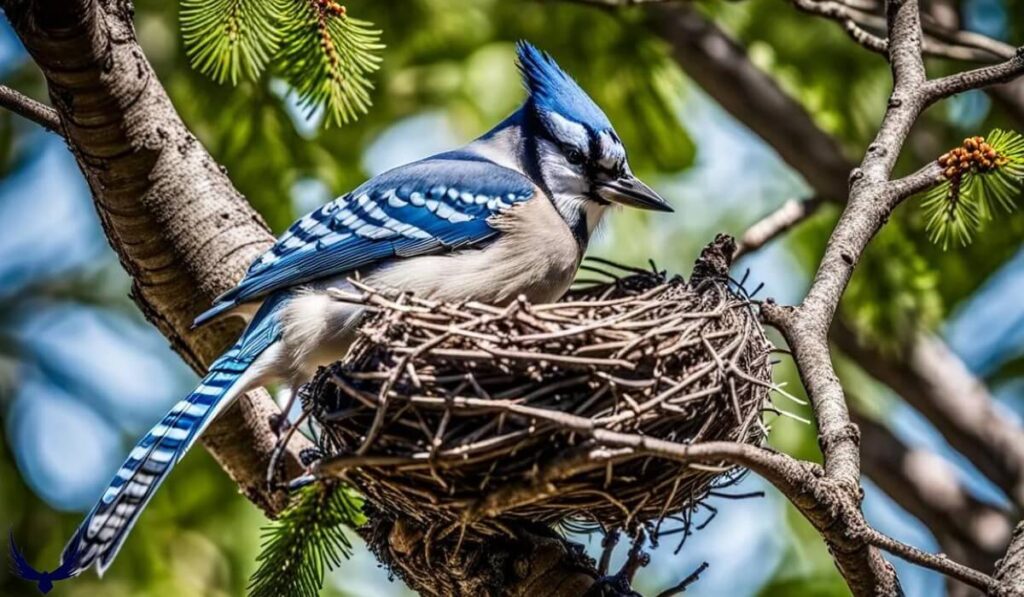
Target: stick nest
461 417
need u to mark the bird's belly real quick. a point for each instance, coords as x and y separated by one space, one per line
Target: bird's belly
496 274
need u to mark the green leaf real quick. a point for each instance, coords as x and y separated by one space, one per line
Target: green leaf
306 541
958 209
226 39
327 57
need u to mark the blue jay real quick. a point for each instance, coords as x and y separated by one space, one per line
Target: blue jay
509 214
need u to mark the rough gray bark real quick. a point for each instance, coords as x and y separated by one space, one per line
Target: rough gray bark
1010 569
179 227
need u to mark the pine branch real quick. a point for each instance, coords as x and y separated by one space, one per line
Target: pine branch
983 176
226 39
323 53
327 57
306 541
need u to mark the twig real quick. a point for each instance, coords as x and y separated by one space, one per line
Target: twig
778 222
608 543
685 583
939 563
37 112
975 79
844 15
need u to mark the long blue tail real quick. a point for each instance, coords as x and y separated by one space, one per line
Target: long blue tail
101 534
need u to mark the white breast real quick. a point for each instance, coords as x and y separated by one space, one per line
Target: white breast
535 255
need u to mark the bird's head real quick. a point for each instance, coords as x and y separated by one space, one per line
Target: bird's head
576 152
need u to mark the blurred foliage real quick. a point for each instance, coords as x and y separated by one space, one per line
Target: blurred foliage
893 294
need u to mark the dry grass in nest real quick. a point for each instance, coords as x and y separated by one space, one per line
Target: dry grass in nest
461 417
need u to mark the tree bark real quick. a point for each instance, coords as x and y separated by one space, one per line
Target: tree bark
1010 569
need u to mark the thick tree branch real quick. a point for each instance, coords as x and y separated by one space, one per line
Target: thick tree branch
23 105
178 225
806 326
721 67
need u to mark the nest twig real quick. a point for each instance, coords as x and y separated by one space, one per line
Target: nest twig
466 417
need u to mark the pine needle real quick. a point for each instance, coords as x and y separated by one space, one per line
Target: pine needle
226 39
323 53
327 57
306 541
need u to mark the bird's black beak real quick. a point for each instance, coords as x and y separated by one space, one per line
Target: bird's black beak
628 190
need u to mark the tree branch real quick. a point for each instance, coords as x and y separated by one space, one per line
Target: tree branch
778 222
849 18
179 227
927 486
976 79
37 112
721 67
1010 569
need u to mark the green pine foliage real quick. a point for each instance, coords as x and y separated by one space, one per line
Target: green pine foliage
974 191
325 55
306 541
327 58
226 39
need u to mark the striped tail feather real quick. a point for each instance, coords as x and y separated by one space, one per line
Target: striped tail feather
105 528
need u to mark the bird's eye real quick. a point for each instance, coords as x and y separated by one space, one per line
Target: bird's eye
574 156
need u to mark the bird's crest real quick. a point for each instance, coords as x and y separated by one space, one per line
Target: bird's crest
553 90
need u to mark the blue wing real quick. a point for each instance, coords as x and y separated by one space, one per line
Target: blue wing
438 204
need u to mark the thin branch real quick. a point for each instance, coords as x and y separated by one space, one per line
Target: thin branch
927 177
936 562
976 79
778 222
37 112
845 16
684 584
